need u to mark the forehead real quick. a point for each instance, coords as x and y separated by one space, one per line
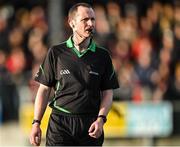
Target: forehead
83 12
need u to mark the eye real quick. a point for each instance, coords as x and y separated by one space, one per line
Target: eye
92 19
85 19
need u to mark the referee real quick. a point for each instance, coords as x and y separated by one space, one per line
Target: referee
82 75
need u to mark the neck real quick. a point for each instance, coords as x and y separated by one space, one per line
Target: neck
81 43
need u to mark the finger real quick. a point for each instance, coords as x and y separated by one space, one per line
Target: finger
93 135
33 140
30 140
95 129
96 133
91 129
39 134
37 139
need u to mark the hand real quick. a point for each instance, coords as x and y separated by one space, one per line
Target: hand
35 135
96 128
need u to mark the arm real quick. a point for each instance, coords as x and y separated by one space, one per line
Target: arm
96 128
41 102
106 103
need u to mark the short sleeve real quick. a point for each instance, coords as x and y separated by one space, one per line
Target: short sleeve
109 79
46 72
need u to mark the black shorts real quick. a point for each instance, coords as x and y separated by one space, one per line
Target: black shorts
71 130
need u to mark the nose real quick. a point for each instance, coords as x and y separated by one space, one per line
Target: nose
91 22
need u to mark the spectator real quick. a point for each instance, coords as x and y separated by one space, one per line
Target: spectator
8 93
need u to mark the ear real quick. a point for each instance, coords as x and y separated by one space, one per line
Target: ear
71 25
70 21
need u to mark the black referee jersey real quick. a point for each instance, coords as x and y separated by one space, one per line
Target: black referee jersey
78 78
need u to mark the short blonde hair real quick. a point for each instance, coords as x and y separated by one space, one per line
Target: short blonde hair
73 9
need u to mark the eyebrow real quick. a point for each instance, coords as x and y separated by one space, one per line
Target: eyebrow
86 18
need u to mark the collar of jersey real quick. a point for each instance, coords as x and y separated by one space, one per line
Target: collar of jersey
69 44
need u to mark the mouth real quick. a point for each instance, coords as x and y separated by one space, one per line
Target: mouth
90 30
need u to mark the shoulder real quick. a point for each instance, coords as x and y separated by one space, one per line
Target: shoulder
57 48
103 51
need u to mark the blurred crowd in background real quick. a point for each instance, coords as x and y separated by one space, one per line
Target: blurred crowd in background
143 38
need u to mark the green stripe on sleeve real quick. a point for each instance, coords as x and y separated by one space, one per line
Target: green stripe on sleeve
42 70
112 74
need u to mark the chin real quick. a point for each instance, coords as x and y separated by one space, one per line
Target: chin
88 35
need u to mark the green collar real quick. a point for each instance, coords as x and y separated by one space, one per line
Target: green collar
69 44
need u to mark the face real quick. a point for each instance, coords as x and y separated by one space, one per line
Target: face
83 22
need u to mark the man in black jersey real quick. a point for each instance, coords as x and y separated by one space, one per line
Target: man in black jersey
82 75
